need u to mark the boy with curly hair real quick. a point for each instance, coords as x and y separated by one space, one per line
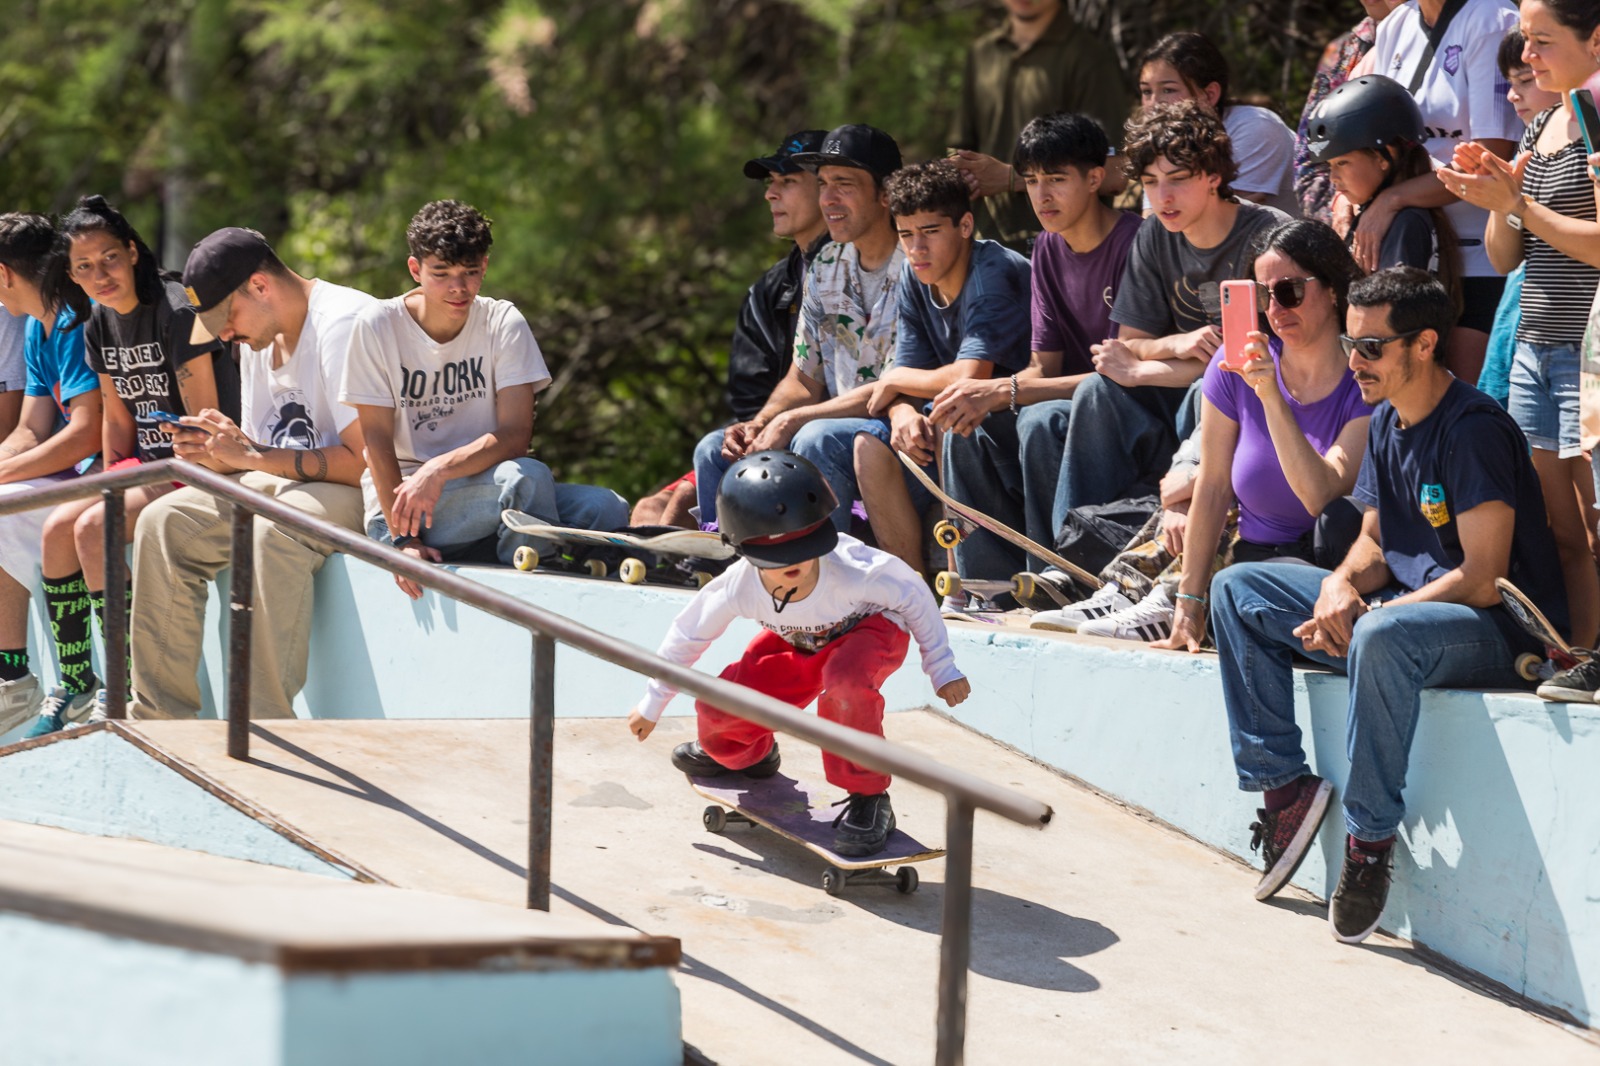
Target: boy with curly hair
444 381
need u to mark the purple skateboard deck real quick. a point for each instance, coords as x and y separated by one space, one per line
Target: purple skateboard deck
805 815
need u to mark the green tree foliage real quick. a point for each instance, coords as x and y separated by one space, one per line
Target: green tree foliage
606 140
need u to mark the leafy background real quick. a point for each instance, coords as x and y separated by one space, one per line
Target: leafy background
605 140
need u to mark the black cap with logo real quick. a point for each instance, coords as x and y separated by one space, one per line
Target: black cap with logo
864 147
218 265
782 161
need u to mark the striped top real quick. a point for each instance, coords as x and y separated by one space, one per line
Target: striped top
1557 289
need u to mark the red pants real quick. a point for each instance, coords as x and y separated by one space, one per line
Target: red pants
846 674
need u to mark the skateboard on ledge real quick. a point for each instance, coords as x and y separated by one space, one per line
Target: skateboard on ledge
1559 655
804 814
964 519
673 556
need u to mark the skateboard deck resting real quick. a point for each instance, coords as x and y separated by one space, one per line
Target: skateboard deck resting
1536 625
948 534
678 544
804 814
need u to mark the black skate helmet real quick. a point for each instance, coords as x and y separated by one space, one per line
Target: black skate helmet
1370 112
776 509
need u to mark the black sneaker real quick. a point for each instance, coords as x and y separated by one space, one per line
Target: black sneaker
692 759
1576 685
1357 903
1283 837
863 827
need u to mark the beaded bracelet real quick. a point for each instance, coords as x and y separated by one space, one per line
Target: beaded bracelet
1013 394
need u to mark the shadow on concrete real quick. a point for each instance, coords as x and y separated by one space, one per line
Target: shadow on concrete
360 788
1013 940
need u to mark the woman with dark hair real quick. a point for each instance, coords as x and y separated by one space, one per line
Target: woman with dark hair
138 341
1187 66
1284 435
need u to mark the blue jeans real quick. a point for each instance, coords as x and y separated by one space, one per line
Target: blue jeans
468 511
1119 442
1395 653
1008 469
827 442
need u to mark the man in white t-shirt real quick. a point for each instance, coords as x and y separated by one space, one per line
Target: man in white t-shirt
296 443
443 381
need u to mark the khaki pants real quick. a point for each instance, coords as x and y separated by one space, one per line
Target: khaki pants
181 541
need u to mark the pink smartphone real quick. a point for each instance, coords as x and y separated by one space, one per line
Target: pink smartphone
1238 320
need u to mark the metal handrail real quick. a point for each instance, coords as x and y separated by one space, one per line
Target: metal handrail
964 792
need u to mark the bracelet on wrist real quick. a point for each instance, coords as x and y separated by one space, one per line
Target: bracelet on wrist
1201 600
1013 394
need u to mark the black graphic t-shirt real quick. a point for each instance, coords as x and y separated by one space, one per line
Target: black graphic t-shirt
141 351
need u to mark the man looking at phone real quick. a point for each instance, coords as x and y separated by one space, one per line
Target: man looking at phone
1451 503
295 443
1126 419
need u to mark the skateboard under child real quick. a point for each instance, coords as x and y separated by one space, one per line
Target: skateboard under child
673 556
964 519
1559 655
799 812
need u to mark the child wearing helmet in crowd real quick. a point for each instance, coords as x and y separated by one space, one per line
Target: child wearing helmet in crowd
1369 131
834 614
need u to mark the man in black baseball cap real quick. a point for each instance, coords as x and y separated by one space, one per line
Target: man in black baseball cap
763 335
218 266
865 147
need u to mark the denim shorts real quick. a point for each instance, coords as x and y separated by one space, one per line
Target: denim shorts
1544 395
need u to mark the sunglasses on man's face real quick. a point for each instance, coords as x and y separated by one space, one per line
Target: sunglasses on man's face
1289 292
1371 348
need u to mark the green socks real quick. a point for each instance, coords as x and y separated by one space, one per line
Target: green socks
13 664
67 601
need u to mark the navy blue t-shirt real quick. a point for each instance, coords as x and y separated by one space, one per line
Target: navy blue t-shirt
1467 452
990 319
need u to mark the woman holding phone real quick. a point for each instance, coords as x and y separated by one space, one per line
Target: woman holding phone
138 341
1542 215
1284 433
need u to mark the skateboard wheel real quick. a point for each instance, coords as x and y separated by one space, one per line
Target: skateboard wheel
905 880
715 819
595 567
702 579
833 881
525 558
1023 586
945 534
631 571
946 584
1528 666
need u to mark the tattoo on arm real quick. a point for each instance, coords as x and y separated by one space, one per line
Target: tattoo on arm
321 471
184 373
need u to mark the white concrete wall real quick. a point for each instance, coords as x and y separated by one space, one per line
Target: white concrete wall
1500 870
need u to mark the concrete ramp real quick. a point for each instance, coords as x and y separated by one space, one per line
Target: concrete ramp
1104 938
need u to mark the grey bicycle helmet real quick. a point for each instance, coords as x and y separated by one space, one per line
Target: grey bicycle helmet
1370 112
776 509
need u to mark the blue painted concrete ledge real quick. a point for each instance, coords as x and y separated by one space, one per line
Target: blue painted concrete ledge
1500 864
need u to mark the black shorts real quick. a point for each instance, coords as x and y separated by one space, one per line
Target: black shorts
1479 298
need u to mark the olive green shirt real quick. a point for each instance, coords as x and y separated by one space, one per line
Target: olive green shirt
1066 69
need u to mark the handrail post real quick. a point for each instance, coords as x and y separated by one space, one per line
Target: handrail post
541 745
955 936
116 594
241 611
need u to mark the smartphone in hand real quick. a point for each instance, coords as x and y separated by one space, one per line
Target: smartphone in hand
1582 101
172 419
1238 321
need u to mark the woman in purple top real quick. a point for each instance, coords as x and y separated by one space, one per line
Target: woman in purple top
1285 435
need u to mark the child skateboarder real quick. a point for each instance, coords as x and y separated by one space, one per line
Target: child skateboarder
835 615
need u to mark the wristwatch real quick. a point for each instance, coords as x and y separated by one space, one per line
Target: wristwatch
1514 217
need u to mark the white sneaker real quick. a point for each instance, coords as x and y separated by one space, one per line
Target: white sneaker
1107 598
98 714
1149 619
19 701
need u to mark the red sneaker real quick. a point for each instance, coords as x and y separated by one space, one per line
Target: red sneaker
1283 837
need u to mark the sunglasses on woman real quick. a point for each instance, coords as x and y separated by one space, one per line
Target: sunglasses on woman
1371 348
1289 292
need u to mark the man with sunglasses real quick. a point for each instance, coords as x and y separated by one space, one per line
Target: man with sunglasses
1451 503
294 442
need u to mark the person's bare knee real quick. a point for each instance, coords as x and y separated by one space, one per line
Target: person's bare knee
58 542
676 512
89 538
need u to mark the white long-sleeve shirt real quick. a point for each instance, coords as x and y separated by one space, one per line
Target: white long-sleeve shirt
856 581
